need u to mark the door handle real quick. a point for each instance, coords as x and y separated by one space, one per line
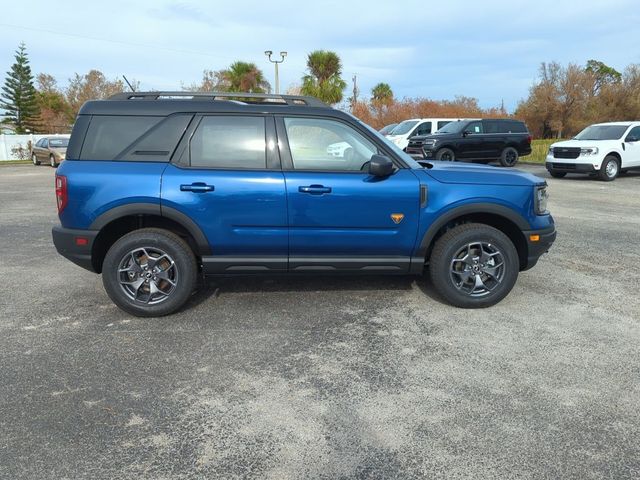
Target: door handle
315 189
197 187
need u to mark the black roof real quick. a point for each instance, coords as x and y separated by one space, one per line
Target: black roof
166 103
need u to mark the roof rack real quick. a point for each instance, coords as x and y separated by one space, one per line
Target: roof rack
240 97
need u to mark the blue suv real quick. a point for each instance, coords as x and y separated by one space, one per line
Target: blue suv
160 188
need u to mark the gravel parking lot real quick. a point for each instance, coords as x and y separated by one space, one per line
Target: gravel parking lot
326 377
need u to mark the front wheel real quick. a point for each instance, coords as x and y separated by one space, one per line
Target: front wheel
509 157
446 155
149 272
52 161
34 159
474 266
609 169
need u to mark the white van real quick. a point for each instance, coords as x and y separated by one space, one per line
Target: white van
416 126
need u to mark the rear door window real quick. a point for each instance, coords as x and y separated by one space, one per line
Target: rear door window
232 142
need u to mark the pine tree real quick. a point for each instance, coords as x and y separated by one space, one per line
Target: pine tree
18 96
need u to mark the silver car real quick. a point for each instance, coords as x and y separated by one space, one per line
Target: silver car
51 150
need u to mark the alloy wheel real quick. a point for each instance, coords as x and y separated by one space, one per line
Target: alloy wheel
477 269
147 275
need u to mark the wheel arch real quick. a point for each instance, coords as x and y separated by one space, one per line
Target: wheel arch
119 221
497 216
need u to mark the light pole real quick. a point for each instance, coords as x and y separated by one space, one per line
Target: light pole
268 53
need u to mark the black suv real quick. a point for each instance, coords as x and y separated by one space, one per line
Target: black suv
475 140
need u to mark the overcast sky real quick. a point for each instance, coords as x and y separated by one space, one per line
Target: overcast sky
490 50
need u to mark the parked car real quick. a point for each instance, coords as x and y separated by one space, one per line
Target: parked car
157 191
386 130
604 150
416 126
49 149
475 140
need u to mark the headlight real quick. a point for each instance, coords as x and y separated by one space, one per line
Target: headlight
550 151
541 197
429 142
589 151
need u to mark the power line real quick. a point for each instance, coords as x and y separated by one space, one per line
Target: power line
118 42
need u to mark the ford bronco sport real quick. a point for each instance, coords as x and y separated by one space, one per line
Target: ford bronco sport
160 188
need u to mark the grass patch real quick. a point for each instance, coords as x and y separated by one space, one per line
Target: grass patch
14 162
539 149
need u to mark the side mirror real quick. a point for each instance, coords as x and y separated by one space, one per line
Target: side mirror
466 132
380 166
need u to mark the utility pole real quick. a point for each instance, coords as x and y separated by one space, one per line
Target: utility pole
268 53
354 98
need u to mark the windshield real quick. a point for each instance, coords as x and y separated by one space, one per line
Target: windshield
58 142
405 156
404 127
388 128
453 127
602 132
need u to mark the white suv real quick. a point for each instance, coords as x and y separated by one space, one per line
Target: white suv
603 149
402 132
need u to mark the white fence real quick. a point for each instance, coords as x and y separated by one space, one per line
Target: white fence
7 142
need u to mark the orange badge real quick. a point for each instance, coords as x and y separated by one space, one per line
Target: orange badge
397 217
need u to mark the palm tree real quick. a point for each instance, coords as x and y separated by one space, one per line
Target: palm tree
324 81
382 94
243 77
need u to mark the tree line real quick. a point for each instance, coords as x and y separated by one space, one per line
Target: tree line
562 100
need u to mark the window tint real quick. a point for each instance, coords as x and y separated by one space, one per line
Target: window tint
492 126
159 142
423 129
442 123
108 135
318 144
45 143
229 142
633 133
514 127
474 127
39 143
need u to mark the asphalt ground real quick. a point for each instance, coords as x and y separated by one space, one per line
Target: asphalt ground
349 377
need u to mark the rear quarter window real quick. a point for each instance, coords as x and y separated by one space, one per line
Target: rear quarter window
109 135
514 127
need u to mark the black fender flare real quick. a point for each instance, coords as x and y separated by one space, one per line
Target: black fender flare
490 208
157 210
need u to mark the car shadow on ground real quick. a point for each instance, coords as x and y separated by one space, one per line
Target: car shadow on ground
218 286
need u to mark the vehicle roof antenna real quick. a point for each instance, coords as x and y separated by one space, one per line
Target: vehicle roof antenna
130 86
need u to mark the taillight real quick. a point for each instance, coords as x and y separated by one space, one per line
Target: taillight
61 192
529 138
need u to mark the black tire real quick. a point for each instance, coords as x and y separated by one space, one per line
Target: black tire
52 161
34 159
609 169
509 157
446 155
557 174
446 257
183 270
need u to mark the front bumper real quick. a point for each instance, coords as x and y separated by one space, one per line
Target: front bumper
556 166
538 248
66 243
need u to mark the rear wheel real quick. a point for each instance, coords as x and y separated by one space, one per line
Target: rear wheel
149 272
446 155
609 169
34 159
509 157
474 266
557 174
